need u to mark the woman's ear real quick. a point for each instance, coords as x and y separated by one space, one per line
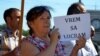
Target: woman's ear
30 24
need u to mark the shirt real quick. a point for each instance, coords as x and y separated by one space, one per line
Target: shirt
8 41
41 45
88 50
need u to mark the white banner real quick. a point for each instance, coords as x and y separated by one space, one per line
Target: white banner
71 26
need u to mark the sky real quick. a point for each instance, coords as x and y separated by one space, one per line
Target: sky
59 7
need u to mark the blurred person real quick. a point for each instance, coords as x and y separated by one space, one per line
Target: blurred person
39 43
10 34
88 50
92 37
92 32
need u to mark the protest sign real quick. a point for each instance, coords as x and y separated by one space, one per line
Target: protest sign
72 26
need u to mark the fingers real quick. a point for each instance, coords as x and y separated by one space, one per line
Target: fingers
81 42
54 35
54 31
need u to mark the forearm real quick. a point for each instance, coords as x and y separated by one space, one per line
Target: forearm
79 44
74 51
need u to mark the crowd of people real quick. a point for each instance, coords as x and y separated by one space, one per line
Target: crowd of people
42 41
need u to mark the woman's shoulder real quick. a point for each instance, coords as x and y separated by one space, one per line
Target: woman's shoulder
25 42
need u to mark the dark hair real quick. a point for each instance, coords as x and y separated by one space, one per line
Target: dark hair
73 9
8 12
36 12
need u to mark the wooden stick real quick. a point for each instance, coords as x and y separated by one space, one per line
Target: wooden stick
21 21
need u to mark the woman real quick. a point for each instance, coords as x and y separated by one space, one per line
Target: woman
39 43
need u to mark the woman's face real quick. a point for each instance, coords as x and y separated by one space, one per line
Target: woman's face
41 24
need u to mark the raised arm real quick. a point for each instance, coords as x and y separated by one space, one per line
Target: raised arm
79 44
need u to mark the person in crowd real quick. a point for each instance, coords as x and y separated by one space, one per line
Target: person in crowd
10 34
92 37
88 50
39 43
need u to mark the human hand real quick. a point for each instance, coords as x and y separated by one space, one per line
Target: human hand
54 35
81 42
